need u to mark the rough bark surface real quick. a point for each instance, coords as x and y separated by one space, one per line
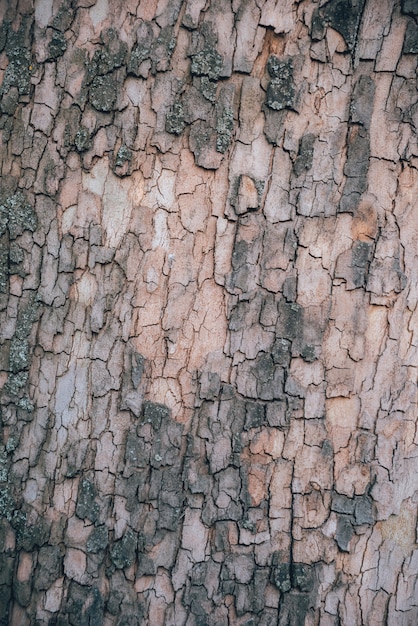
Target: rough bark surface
208 309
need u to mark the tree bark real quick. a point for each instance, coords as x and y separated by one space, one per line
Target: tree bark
208 308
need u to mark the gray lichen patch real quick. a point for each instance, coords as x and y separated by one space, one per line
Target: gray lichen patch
17 215
16 383
138 368
27 407
362 253
154 414
64 17
103 93
281 88
10 101
4 26
152 52
356 166
303 576
139 61
102 76
87 507
98 540
57 46
49 566
20 350
31 530
208 62
19 354
124 155
162 50
136 64
7 502
82 139
18 71
16 257
344 532
122 165
208 88
308 353
4 464
175 122
280 573
4 264
224 129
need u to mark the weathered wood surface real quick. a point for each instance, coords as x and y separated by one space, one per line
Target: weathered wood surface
208 309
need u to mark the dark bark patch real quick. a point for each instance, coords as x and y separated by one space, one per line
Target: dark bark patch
410 7
344 16
84 606
364 511
362 253
344 532
290 322
123 552
203 144
255 415
361 105
342 504
304 159
293 609
355 169
49 567
410 45
303 576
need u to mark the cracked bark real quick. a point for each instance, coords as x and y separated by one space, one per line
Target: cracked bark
208 305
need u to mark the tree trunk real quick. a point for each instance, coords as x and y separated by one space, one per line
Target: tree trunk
209 322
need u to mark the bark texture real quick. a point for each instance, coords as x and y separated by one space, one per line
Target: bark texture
208 309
